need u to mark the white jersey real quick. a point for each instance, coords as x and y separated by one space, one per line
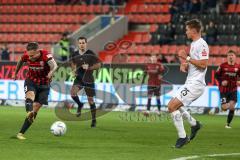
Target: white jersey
199 50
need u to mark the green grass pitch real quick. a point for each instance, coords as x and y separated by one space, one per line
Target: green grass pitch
115 138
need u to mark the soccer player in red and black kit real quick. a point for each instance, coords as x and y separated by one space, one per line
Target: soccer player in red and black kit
83 62
154 69
228 75
36 86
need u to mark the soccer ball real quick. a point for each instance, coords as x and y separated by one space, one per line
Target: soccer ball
58 128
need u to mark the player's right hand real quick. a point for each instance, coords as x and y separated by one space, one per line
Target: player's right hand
182 54
224 83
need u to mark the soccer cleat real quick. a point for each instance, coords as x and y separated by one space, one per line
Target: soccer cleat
79 110
228 127
93 124
195 129
181 142
20 136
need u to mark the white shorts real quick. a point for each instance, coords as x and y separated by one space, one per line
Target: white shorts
189 93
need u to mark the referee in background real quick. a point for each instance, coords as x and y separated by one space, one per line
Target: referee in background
83 63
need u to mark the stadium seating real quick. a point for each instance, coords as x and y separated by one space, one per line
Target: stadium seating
41 20
27 2
52 9
227 26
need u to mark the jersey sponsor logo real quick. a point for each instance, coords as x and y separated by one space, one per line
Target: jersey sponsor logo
36 68
230 74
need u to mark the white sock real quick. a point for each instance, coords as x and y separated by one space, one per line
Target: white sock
178 122
187 116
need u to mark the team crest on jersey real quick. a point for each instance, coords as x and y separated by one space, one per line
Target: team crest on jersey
226 69
236 69
204 53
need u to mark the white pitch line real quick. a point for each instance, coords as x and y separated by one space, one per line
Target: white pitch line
210 155
186 158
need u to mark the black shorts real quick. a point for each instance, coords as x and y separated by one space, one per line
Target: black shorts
154 90
41 91
88 87
229 96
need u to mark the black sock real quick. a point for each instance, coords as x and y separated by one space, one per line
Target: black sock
35 115
230 116
93 111
76 99
25 126
159 104
29 105
149 104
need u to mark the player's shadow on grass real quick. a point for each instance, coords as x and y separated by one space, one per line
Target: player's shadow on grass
63 112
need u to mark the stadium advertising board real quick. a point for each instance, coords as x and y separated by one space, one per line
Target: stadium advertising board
125 84
14 90
119 73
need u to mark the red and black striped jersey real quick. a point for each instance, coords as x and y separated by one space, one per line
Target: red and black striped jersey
38 69
154 71
230 73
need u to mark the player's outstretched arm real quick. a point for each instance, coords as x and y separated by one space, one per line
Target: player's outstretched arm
18 67
53 67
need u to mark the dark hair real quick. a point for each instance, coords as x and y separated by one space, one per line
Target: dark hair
82 38
231 51
32 46
194 23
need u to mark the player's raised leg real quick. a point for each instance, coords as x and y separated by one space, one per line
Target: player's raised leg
173 107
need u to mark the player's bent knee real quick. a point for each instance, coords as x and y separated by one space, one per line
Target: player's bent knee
174 104
30 95
232 108
224 107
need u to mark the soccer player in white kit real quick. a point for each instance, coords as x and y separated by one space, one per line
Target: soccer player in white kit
196 66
